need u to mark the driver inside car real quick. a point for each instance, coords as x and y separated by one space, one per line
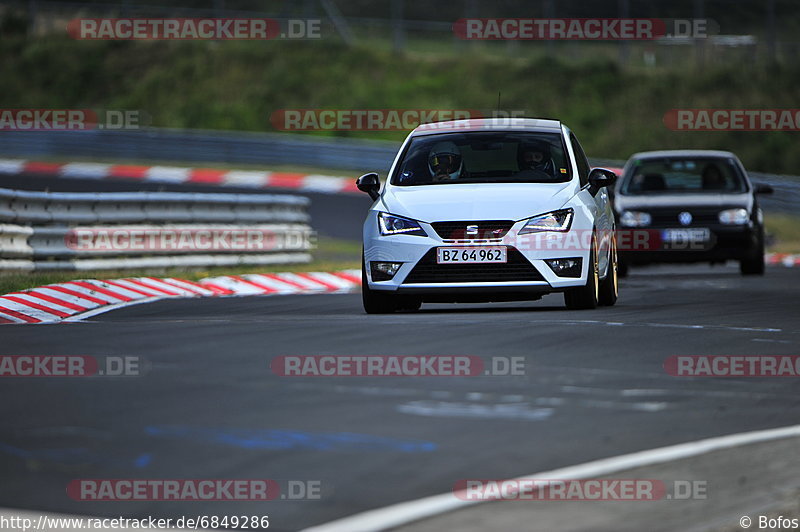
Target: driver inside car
444 162
534 159
713 178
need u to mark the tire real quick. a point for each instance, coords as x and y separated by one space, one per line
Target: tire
623 269
585 297
375 302
754 263
410 304
752 266
609 287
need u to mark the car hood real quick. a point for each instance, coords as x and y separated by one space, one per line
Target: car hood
627 202
488 201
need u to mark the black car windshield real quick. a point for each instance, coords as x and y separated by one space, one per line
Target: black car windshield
480 157
683 175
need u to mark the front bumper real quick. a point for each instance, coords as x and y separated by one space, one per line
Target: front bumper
526 275
726 242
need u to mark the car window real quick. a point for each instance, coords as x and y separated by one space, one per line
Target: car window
580 160
683 175
481 157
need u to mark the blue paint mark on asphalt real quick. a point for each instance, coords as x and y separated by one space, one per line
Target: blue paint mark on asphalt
143 460
71 455
263 439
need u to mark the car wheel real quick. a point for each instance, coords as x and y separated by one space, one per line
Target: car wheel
754 263
375 302
409 304
622 269
585 297
609 287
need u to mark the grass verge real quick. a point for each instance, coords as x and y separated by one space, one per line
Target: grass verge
784 230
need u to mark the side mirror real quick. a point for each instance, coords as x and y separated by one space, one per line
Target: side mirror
599 178
369 183
763 189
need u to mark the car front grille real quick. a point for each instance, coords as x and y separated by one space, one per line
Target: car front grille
517 268
486 229
701 216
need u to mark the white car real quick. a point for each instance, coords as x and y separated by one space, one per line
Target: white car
489 210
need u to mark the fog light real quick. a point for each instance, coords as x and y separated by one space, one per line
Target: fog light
570 267
384 271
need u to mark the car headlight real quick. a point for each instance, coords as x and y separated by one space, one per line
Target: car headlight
390 224
551 221
635 219
734 217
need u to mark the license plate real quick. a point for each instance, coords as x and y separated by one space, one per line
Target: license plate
471 255
680 236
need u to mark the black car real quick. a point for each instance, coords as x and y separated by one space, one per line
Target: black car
689 206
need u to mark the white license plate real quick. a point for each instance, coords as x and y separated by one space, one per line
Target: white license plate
674 236
471 255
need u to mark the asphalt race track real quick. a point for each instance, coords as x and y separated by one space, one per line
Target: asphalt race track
208 405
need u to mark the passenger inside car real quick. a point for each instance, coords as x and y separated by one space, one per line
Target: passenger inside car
713 178
535 158
648 182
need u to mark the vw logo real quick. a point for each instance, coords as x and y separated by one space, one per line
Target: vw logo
472 230
685 218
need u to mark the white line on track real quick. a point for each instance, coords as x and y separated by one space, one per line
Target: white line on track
410 511
102 310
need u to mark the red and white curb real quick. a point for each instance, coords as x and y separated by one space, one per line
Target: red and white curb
783 259
75 300
180 174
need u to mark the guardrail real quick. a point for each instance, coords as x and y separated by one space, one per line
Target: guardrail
234 147
91 231
268 149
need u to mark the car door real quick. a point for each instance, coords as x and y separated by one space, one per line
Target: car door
600 203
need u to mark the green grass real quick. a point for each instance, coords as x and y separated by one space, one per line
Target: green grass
237 85
330 255
785 229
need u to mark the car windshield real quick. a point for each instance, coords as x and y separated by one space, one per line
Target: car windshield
479 157
683 175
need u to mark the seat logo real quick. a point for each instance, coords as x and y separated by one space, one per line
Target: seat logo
685 218
472 230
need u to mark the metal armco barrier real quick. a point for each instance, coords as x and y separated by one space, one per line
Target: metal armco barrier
88 231
269 149
155 144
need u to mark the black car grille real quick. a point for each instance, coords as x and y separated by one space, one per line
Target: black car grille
487 229
517 268
701 216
